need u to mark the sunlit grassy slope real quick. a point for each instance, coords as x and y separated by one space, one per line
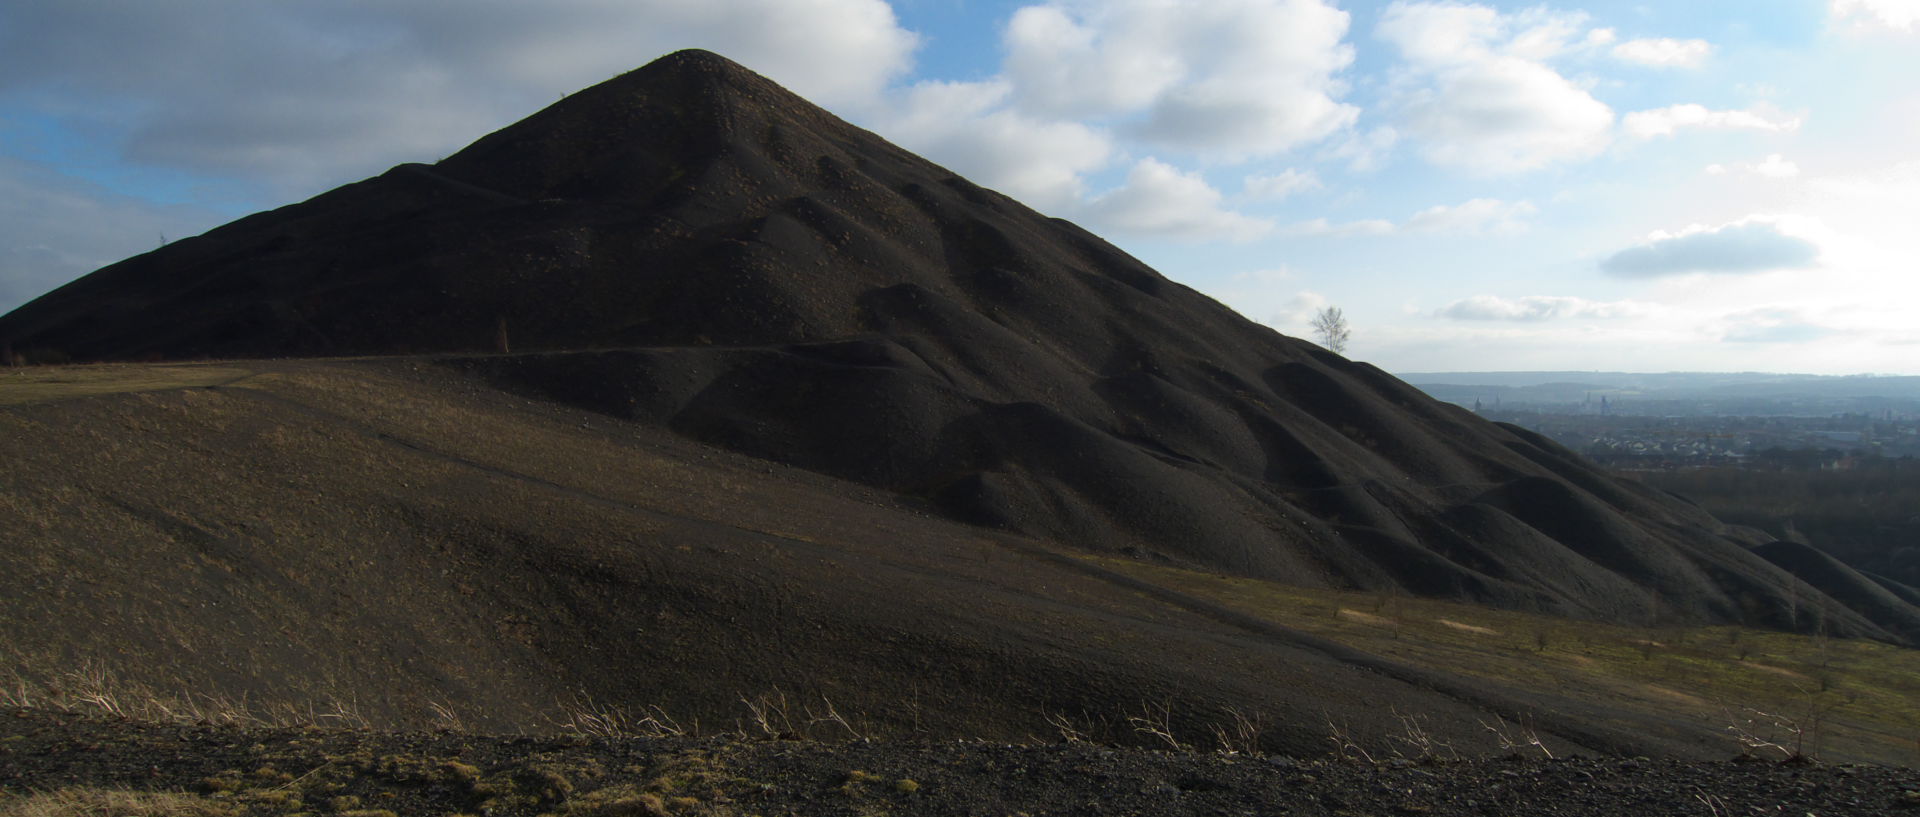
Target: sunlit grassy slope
35 384
1841 699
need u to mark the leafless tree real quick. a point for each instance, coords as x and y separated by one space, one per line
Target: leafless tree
1330 324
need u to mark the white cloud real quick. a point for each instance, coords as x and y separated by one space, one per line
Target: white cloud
1889 191
55 228
965 126
1070 67
1774 166
1270 297
833 52
1363 151
1540 33
1265 276
1770 325
1161 200
1296 311
1228 78
1902 15
311 93
1540 308
1345 229
1279 185
1664 52
1753 245
1871 244
1669 120
1476 92
1473 217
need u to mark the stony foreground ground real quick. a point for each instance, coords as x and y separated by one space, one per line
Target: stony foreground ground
55 764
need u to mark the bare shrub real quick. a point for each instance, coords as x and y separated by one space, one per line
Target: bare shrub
1417 742
1070 732
1240 734
1794 737
1515 739
587 717
1344 746
773 716
1156 720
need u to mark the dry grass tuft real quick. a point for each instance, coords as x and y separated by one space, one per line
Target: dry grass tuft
91 802
91 689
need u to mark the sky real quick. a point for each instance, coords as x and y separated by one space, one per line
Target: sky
1709 185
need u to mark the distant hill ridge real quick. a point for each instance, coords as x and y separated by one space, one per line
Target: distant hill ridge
1687 383
691 246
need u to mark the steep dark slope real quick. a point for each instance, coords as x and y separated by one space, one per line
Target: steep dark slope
692 246
1889 603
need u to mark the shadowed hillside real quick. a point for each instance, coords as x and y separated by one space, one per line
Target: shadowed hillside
394 543
397 542
694 249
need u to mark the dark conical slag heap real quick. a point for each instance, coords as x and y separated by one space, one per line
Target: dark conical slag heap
691 245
